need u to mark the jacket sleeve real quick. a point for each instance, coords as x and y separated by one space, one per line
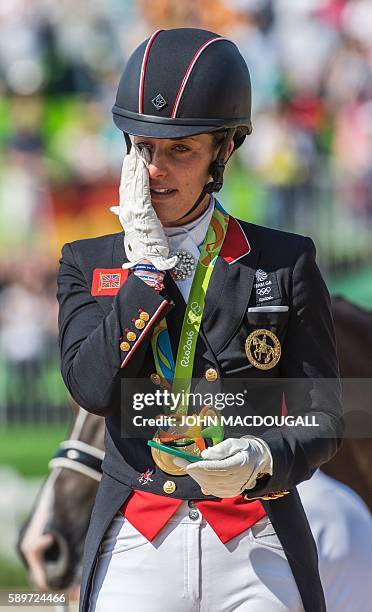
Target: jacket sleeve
91 343
309 369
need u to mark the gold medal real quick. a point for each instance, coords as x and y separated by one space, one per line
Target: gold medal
189 437
165 461
263 349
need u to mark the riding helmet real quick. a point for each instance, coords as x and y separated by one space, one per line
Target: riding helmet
186 81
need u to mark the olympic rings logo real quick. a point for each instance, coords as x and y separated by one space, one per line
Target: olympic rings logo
264 291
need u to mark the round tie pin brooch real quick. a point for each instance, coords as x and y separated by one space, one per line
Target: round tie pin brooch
263 349
184 267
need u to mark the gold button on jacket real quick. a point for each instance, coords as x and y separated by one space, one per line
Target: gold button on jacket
155 378
124 346
211 374
169 487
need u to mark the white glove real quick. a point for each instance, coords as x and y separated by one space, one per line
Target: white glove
144 235
230 466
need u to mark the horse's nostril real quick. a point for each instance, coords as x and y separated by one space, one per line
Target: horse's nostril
57 561
52 553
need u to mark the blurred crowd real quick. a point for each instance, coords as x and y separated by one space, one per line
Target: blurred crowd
307 167
31 389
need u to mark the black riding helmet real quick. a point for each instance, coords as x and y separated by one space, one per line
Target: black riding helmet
183 82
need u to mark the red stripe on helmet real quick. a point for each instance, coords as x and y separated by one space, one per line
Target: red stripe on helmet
188 72
143 70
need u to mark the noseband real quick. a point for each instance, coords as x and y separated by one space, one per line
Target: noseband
79 457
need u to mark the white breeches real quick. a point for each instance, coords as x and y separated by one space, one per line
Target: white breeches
186 568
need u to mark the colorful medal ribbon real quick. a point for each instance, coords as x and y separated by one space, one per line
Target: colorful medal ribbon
181 371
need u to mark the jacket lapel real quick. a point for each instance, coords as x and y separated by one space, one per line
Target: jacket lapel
176 315
227 297
230 287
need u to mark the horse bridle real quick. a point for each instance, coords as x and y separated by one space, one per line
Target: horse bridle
79 457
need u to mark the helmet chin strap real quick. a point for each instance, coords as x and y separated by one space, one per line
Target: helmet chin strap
216 170
128 142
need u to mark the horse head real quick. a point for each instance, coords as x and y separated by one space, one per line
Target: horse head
51 542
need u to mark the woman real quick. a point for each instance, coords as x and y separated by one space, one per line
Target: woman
190 299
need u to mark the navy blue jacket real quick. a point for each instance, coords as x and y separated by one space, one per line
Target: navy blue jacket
91 331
